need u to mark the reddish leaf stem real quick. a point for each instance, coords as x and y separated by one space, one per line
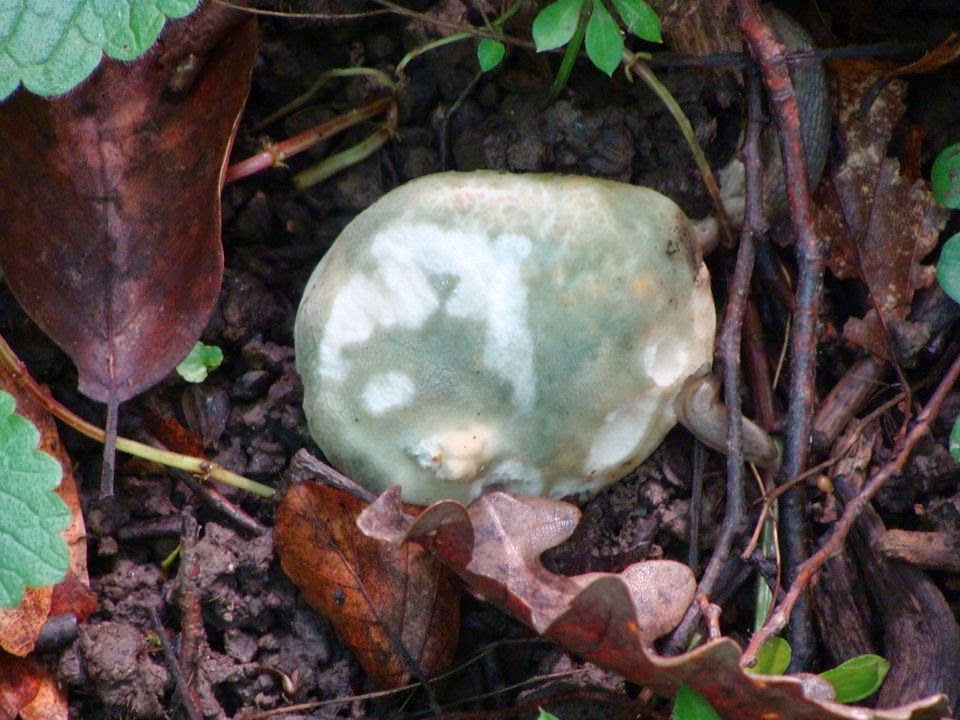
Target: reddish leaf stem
779 617
275 153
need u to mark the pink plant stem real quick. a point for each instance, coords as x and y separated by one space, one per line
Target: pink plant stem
275 153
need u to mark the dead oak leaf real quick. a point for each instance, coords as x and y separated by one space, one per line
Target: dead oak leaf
608 619
377 595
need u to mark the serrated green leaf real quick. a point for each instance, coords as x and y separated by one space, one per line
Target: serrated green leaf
31 514
948 268
640 19
603 41
945 177
199 362
490 53
773 657
555 24
857 678
53 45
689 705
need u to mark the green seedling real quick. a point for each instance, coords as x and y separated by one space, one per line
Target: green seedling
198 363
32 515
773 658
945 179
588 22
51 47
690 705
857 678
544 715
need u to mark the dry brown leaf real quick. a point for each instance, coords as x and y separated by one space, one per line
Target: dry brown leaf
20 626
611 620
877 223
50 702
19 684
110 213
375 594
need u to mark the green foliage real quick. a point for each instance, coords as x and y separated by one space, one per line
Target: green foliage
948 268
557 24
199 362
490 53
857 678
31 514
604 43
53 45
945 177
544 715
773 658
689 705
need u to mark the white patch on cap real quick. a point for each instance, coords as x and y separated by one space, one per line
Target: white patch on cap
666 361
619 436
398 294
387 391
510 474
455 455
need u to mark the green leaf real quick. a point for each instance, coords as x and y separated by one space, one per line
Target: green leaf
955 441
773 657
640 19
603 40
945 177
544 715
555 24
688 705
857 678
32 515
199 361
53 45
948 268
490 53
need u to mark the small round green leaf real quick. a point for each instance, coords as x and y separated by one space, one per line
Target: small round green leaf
955 441
640 19
945 177
199 362
555 24
948 268
688 705
53 46
490 53
773 657
857 678
603 41
32 515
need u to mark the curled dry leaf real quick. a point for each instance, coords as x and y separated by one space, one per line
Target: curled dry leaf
611 620
110 213
878 224
377 595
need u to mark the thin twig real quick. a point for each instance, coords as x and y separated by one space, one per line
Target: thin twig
173 667
770 54
779 617
730 341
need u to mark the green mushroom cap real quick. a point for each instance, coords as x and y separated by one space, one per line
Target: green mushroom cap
524 332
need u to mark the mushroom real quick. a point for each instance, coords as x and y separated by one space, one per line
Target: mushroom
535 333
